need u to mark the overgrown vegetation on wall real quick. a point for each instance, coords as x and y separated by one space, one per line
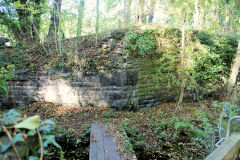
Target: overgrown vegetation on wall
6 73
77 54
154 52
207 58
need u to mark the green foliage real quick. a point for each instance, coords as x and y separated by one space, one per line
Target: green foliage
183 127
220 50
208 130
195 133
228 109
6 73
22 128
18 59
142 44
134 135
207 60
11 117
107 114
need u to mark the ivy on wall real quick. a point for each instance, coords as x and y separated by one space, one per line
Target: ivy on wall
207 58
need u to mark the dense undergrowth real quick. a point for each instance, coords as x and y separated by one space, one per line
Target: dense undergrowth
207 58
215 51
155 133
175 137
158 132
76 54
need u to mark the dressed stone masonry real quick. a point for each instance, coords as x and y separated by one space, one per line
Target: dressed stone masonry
117 89
134 85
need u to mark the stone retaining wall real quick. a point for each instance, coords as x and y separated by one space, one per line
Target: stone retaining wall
120 88
133 86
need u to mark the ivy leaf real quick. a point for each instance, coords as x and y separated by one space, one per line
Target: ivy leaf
11 117
48 121
5 88
30 123
32 158
46 128
31 132
46 125
44 151
18 138
4 147
50 139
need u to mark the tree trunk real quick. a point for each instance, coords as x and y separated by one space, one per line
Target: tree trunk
196 15
140 14
12 27
54 24
217 19
232 18
125 10
204 20
25 26
36 20
119 19
226 28
97 22
80 17
151 12
27 21
36 23
234 73
128 11
182 73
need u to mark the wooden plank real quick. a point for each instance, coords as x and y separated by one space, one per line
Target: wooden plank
102 144
110 148
96 143
228 150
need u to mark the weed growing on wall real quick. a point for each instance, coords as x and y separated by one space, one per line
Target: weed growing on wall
6 73
142 44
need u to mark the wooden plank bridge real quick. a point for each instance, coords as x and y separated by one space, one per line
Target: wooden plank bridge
102 145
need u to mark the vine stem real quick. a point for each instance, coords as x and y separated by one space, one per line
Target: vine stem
10 139
40 142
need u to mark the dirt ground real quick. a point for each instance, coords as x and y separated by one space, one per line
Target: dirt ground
149 129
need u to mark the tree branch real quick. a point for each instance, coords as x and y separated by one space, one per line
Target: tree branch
10 139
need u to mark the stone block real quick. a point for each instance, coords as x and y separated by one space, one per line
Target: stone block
110 79
113 95
119 88
42 73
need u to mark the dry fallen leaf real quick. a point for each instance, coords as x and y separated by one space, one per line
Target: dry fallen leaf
25 136
93 139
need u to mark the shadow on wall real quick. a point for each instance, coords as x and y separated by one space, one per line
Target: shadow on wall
91 88
114 89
